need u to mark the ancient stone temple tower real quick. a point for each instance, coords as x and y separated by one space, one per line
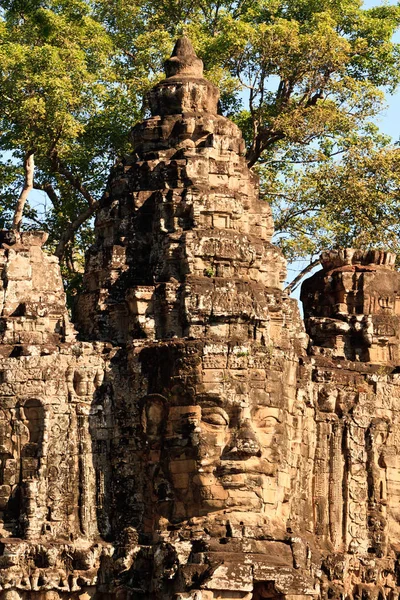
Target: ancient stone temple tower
47 382
352 311
189 440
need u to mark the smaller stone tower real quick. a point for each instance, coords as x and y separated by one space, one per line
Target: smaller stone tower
352 314
352 306
47 383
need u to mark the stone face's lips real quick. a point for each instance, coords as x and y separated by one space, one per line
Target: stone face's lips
234 482
249 467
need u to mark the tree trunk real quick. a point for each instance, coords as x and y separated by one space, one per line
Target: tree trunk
29 167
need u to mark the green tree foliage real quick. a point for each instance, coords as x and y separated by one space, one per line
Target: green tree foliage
305 80
351 202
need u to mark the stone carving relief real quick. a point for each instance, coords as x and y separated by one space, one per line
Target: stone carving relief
22 430
220 441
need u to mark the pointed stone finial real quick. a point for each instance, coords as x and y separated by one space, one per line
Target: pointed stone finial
184 90
183 61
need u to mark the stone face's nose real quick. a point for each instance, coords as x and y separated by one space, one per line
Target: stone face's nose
244 443
183 61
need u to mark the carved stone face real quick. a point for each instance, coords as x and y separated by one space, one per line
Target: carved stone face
232 452
220 438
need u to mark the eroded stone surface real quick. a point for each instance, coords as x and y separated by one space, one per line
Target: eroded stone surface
195 443
352 314
49 536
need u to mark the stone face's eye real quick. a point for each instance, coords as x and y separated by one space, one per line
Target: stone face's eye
263 418
214 416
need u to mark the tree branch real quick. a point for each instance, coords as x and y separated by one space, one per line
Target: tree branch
29 168
296 281
274 161
73 179
128 53
259 145
73 227
50 191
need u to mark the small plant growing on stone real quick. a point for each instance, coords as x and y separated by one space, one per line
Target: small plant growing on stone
209 272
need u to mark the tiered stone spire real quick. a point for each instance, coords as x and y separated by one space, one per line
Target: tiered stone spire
184 277
183 242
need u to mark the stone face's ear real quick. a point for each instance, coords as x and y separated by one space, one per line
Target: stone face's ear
154 414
